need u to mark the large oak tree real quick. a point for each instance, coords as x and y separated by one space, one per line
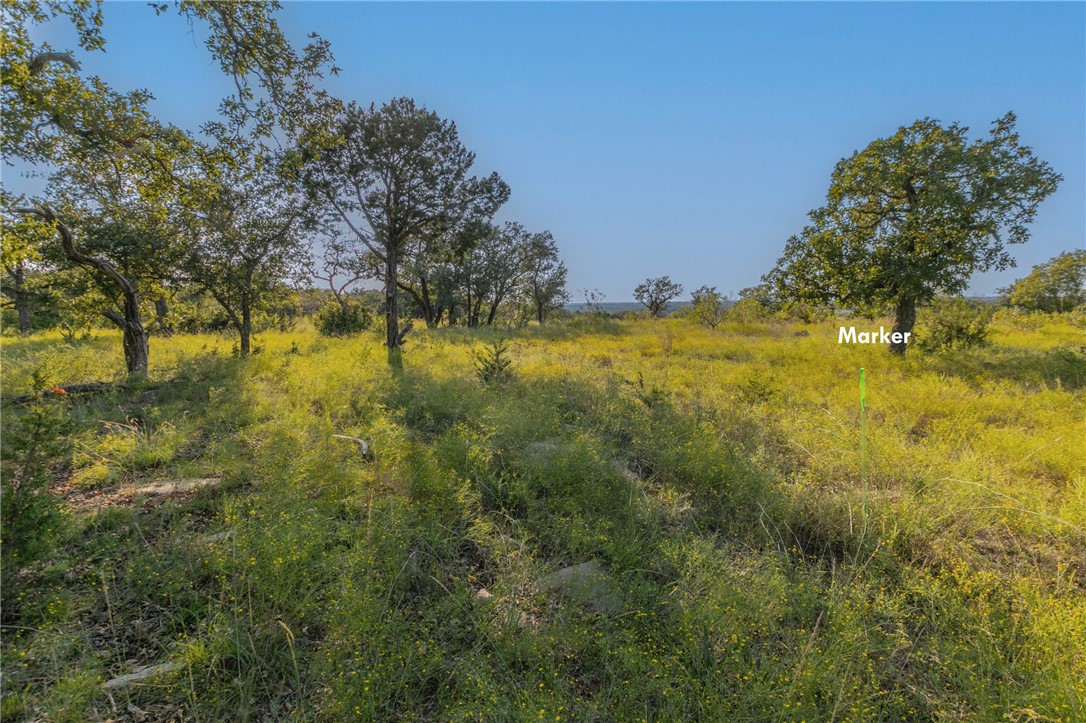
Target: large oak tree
912 216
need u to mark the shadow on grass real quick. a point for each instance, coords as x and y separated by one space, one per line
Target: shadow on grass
1063 367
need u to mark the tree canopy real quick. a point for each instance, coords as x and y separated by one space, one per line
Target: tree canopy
1058 285
914 215
656 293
398 173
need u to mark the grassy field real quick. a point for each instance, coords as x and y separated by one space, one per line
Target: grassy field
741 569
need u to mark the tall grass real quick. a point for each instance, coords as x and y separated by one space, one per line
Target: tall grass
714 476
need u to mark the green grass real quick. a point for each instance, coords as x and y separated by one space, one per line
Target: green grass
714 475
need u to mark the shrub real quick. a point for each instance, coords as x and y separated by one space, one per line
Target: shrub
708 307
31 515
954 322
492 366
337 320
747 311
805 312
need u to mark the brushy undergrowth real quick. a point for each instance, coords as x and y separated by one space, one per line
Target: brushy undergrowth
750 572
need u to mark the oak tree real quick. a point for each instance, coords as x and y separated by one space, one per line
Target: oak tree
709 306
545 276
656 293
912 216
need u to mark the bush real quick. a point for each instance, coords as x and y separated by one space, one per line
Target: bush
335 320
492 366
748 311
31 515
953 323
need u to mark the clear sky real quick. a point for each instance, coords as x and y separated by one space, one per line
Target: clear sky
679 139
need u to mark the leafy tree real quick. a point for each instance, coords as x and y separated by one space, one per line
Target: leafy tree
55 116
1058 285
396 174
915 215
709 306
244 236
21 238
656 293
43 96
545 276
493 269
112 215
433 269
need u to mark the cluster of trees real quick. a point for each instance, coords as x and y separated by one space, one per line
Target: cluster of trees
1056 286
286 183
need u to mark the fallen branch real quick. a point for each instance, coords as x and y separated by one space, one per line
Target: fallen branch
66 389
363 446
140 674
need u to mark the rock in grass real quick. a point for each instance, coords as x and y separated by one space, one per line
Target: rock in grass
170 487
544 450
139 674
588 582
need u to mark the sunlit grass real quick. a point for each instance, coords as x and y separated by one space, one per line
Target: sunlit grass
715 475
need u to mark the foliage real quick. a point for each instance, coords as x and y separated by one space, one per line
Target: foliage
32 441
709 306
656 293
1058 285
545 279
382 155
914 215
747 311
244 232
954 323
336 319
806 312
492 366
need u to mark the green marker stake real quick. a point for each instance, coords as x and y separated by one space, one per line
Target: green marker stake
863 439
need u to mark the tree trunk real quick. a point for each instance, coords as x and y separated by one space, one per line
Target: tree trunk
131 323
392 310
427 306
162 316
904 319
245 330
19 296
341 298
539 313
134 335
22 308
493 312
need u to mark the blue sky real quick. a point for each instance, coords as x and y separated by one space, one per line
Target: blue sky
680 139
